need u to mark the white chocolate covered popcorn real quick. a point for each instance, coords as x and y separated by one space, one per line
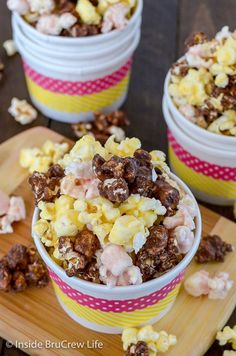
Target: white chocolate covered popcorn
10 47
20 6
22 111
11 209
184 238
115 17
200 283
41 6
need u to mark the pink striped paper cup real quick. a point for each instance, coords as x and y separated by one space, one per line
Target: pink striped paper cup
110 310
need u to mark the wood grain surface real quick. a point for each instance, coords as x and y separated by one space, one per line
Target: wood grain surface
36 314
166 24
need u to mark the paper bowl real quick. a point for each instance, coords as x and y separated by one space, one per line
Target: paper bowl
110 310
72 93
82 42
201 135
209 172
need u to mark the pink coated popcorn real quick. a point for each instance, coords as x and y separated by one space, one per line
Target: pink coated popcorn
42 6
184 238
115 259
132 276
49 25
219 285
5 225
4 203
196 57
188 111
67 20
20 6
16 210
81 170
181 218
197 284
71 188
91 189
188 204
115 17
216 287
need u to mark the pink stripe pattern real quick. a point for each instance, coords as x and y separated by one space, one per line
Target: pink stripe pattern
208 169
77 88
116 306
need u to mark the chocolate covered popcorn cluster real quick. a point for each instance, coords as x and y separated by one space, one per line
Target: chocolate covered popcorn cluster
74 18
21 268
203 82
111 214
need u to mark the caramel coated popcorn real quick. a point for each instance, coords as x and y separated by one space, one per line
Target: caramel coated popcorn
22 267
146 341
111 214
74 18
203 84
22 112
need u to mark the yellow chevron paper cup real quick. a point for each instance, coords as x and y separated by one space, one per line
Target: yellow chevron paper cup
209 172
109 310
72 93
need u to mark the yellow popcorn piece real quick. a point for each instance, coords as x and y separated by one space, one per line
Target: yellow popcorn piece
192 86
226 54
225 123
103 5
159 160
48 211
40 159
44 231
62 204
84 150
68 224
129 336
227 335
216 102
221 80
125 230
88 12
156 341
125 148
102 231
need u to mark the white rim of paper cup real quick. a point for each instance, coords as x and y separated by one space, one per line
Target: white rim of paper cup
193 143
75 55
89 40
82 70
201 134
112 292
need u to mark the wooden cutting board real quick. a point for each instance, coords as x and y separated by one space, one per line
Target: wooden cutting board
36 314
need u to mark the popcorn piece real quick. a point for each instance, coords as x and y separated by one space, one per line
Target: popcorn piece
197 284
116 267
168 195
41 6
184 238
81 170
212 248
4 203
10 47
86 243
23 112
147 340
88 12
20 6
115 190
115 17
16 210
49 25
67 20
124 149
225 123
181 218
228 335
216 287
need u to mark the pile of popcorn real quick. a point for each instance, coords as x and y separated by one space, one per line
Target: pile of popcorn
203 82
74 18
40 159
146 341
111 214
12 209
21 268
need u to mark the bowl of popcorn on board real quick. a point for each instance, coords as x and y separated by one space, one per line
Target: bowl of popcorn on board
116 230
76 54
199 103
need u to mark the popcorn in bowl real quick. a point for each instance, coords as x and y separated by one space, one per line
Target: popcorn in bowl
112 214
74 18
202 83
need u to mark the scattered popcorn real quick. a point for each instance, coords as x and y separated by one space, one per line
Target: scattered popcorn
10 47
115 201
216 287
40 159
228 335
202 84
146 338
22 112
212 249
11 209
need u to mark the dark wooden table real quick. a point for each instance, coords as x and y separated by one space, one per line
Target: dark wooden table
166 24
